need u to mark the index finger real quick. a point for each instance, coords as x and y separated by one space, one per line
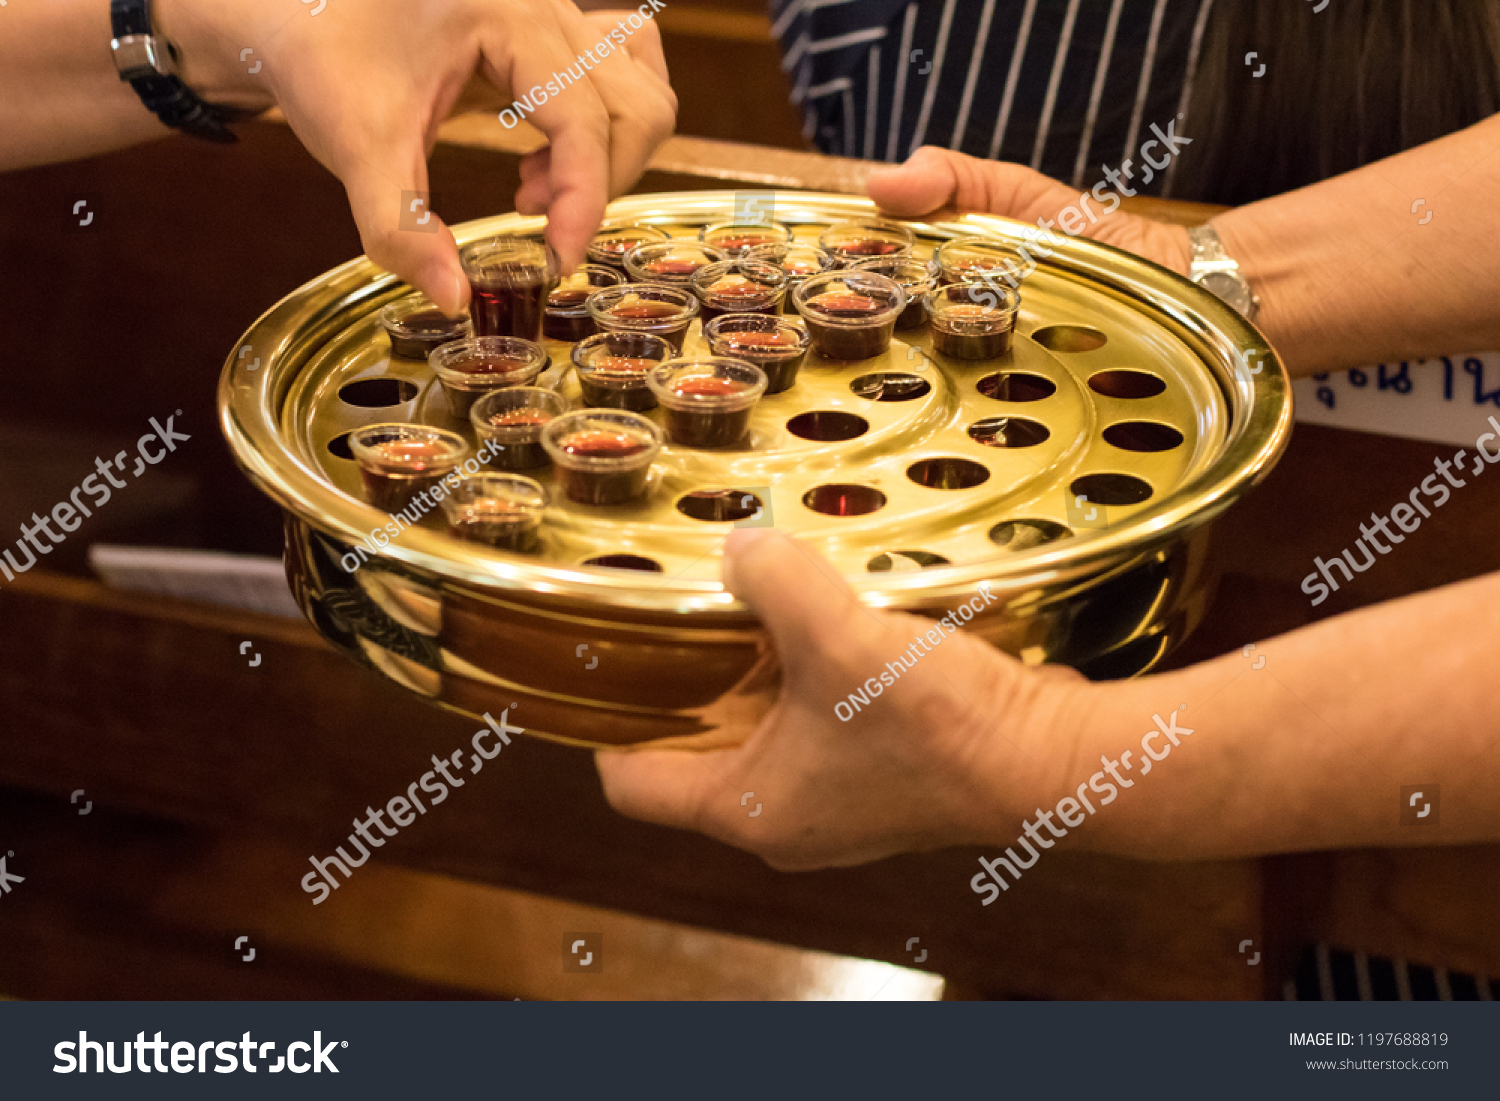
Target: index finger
578 131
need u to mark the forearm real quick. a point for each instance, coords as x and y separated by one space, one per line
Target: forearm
1348 274
1309 751
61 96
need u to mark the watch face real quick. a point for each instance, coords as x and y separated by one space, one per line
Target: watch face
1231 289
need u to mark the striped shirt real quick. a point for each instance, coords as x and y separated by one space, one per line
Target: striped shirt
1061 85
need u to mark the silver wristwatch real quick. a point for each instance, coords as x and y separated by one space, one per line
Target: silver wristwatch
1213 270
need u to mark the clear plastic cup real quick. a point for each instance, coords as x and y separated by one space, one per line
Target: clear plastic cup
510 278
776 344
851 242
399 462
738 238
708 400
602 456
611 243
612 368
416 327
973 320
670 262
798 259
567 316
468 369
850 314
511 421
982 259
503 511
916 277
645 308
739 286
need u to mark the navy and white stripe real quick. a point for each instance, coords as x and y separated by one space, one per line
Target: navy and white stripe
1061 85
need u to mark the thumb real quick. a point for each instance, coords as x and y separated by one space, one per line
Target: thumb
932 178
798 596
401 232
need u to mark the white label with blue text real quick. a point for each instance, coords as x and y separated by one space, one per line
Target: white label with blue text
1445 399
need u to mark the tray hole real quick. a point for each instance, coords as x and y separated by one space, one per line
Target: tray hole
1008 432
1143 436
948 473
626 562
720 505
827 425
890 387
1121 383
377 393
905 561
1069 338
1016 386
339 447
1111 489
844 500
1019 535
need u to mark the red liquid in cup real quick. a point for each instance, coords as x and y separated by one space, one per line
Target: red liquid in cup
489 364
526 453
520 416
600 443
675 266
845 305
760 349
612 251
495 523
427 330
643 309
742 241
569 298
737 294
482 369
598 487
708 385
708 427
979 270
406 468
509 300
981 332
618 383
841 342
867 246
636 308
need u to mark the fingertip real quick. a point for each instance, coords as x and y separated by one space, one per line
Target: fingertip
738 545
924 183
442 280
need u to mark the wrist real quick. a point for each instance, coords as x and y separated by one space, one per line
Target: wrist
1269 271
1033 748
209 63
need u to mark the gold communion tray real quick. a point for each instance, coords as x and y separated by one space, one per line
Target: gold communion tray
1077 475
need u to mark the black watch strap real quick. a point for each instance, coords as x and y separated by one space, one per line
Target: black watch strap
147 61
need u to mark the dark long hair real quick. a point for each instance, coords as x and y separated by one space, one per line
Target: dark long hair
1357 81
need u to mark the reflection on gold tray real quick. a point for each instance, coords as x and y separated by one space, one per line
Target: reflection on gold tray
1076 474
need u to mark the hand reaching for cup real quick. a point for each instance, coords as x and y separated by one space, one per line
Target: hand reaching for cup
367 83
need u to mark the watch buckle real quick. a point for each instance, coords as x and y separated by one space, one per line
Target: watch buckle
141 55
